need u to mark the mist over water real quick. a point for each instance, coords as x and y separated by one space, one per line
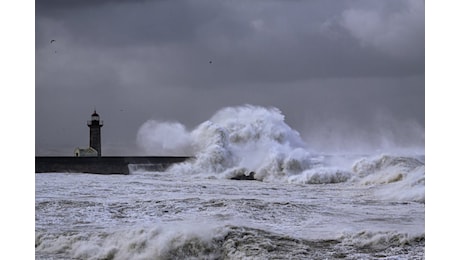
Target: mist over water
324 133
383 133
166 138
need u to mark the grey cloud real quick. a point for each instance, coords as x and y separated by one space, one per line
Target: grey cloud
399 33
172 42
140 60
138 23
48 5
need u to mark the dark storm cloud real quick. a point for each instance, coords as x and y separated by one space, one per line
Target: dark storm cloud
139 59
137 23
47 5
253 41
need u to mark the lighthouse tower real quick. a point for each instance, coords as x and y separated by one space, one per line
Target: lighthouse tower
95 133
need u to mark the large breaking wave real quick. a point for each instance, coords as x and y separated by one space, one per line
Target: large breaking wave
255 142
245 140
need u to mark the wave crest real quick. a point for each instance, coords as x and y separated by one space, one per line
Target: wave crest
403 178
246 139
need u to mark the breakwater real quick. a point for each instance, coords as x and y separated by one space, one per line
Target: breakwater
105 164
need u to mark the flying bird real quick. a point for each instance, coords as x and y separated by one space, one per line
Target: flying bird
52 41
210 61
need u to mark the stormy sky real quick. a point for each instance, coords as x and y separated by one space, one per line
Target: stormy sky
346 74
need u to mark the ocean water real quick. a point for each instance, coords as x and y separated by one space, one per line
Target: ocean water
301 205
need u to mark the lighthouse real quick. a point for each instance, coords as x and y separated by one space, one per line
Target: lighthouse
95 133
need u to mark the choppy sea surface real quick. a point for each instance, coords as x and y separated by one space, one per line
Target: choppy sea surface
153 215
301 204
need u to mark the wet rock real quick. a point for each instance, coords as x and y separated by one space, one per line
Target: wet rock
244 177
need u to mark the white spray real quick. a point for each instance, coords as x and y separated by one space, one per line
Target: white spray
239 141
164 138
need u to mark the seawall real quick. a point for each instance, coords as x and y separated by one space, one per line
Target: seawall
104 164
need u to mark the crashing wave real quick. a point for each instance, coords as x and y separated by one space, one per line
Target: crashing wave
255 143
403 178
247 141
